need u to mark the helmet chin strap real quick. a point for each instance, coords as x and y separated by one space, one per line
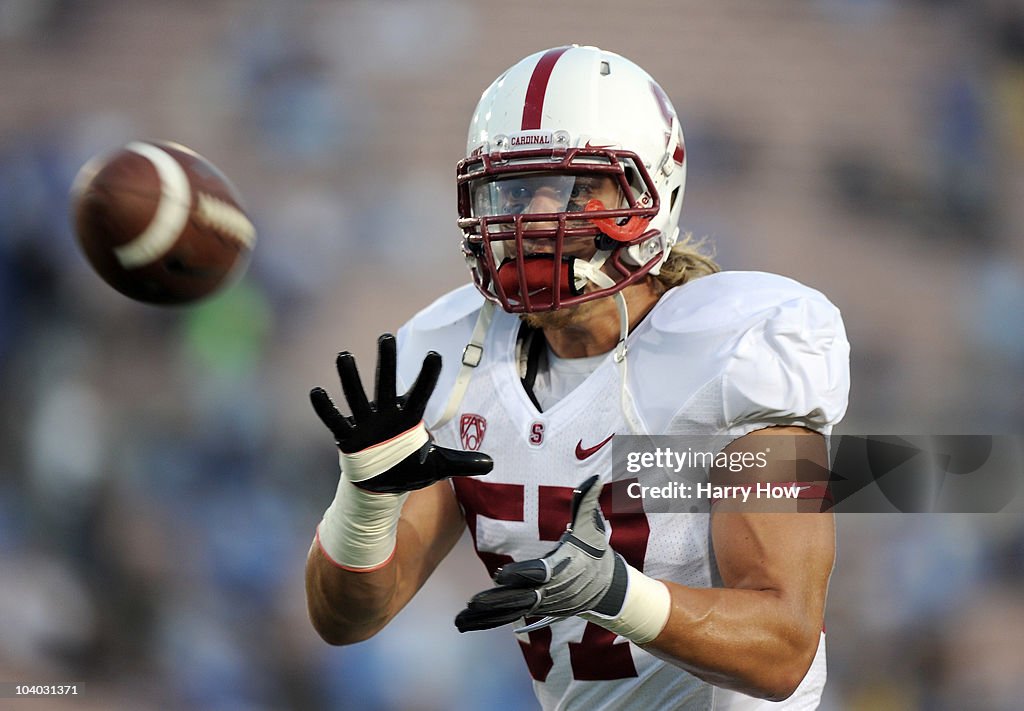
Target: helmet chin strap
591 271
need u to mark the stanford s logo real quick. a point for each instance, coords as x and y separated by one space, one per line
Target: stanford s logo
537 433
472 429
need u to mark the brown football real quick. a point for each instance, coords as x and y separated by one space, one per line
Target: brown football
160 223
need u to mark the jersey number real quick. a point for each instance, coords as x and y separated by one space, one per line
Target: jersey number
596 657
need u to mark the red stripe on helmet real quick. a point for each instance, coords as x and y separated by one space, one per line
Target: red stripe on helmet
538 88
679 154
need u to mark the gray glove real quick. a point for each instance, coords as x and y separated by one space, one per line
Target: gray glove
582 574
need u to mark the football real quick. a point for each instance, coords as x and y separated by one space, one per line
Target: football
159 223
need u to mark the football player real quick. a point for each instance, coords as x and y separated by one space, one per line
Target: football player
589 318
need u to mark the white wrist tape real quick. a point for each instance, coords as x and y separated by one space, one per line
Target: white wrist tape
644 611
377 459
358 529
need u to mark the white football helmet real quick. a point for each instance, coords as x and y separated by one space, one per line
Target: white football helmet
555 123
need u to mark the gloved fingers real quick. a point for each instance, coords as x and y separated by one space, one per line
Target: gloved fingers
337 423
504 597
454 462
523 574
585 496
387 364
496 607
474 620
426 381
587 525
352 386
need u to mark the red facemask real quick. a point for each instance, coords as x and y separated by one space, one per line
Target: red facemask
533 282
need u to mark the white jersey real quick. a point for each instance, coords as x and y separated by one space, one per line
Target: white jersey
720 356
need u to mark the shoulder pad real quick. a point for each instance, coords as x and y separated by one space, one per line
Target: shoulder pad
449 309
726 300
446 327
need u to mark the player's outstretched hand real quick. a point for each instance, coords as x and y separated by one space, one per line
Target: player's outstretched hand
384 443
581 575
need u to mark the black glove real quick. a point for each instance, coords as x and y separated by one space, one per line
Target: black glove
374 424
581 575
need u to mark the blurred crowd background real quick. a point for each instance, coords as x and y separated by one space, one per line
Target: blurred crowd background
161 472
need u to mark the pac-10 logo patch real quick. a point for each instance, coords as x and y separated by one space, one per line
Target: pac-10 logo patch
472 429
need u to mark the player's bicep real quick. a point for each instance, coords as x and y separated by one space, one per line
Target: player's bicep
777 543
788 553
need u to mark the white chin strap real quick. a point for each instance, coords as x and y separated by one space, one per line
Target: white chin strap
591 271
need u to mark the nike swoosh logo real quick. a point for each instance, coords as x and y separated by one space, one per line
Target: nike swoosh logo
582 453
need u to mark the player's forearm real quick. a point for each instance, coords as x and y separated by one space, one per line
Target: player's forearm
757 642
348 606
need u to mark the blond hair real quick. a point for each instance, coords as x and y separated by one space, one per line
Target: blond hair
689 259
